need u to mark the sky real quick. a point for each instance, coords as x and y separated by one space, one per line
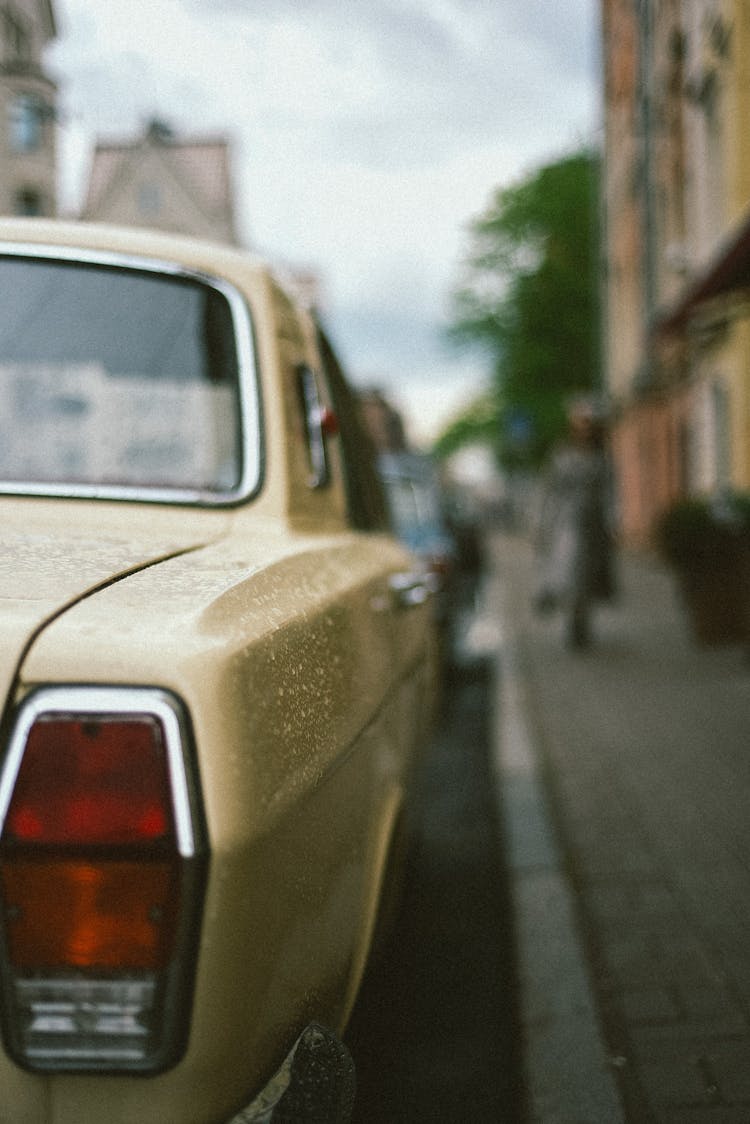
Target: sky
366 135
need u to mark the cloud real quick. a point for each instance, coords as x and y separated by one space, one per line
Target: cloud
422 33
379 84
410 82
567 30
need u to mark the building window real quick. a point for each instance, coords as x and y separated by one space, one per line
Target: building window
28 202
149 199
26 123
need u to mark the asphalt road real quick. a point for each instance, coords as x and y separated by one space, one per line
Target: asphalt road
435 1035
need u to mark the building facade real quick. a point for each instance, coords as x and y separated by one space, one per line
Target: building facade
164 182
28 99
677 251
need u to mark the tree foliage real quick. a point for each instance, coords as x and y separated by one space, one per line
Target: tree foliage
478 423
530 299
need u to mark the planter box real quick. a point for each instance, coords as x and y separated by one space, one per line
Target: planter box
706 540
716 591
718 607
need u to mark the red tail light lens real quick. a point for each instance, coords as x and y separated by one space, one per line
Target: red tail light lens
95 780
101 861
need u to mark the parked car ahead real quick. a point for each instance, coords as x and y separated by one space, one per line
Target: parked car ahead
217 671
415 505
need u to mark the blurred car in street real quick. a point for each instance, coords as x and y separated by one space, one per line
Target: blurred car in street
218 667
416 507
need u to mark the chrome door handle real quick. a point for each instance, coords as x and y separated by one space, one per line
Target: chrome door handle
408 590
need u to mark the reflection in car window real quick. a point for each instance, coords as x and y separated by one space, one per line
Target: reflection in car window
116 377
404 507
413 503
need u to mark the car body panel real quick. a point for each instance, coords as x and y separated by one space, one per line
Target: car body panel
47 564
300 808
309 689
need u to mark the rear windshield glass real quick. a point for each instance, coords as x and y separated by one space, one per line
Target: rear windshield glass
114 378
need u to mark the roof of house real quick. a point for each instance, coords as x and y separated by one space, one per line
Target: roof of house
201 164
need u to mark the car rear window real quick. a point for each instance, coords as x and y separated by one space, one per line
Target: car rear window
120 381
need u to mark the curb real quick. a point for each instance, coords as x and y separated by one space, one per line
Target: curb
568 1073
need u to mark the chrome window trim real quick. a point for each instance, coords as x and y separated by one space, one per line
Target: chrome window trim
312 408
114 700
249 389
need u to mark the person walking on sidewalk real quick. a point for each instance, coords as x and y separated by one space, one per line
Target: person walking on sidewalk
574 538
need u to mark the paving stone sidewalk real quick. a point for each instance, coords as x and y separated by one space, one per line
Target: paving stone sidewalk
643 744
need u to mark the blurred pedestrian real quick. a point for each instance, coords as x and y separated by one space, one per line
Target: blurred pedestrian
574 538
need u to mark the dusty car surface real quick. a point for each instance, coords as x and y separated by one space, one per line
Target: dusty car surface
216 670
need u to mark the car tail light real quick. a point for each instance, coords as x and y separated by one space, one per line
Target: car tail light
102 858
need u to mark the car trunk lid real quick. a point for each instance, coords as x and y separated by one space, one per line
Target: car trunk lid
53 556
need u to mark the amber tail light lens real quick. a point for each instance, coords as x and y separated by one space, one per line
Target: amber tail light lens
102 857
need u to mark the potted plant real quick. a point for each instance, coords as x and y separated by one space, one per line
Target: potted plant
706 539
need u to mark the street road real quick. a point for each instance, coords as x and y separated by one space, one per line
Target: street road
434 1035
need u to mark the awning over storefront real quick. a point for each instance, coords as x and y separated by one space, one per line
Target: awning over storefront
729 271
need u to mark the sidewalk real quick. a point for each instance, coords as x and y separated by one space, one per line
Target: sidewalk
625 782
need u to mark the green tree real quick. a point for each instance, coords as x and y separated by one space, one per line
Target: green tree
477 423
530 298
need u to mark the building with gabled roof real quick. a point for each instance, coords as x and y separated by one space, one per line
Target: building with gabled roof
177 184
28 109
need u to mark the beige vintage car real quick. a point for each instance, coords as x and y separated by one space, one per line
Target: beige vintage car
217 668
